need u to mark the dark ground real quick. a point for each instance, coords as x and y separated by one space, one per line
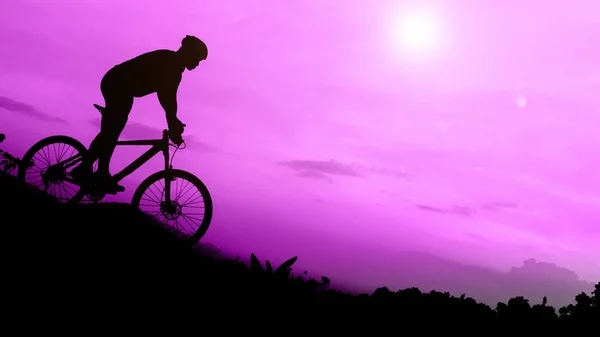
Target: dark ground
106 263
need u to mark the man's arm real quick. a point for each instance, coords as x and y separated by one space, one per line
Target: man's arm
167 96
168 100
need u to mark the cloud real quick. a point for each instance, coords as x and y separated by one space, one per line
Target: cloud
134 130
314 175
384 171
320 169
499 206
331 167
457 210
29 110
477 237
543 278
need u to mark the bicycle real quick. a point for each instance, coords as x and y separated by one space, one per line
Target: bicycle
170 207
8 162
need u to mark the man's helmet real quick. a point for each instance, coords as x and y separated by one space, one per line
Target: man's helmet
194 46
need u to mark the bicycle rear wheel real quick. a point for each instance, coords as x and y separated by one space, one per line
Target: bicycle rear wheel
39 167
190 211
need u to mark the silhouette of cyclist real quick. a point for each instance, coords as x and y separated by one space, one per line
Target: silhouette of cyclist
157 72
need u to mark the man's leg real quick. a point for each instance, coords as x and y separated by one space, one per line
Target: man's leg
90 157
113 122
83 172
102 147
111 130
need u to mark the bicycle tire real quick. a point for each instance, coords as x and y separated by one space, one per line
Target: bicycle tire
33 150
198 184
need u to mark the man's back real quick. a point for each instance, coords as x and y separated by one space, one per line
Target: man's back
148 73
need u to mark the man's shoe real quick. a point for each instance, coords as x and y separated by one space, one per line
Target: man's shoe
106 184
81 175
113 188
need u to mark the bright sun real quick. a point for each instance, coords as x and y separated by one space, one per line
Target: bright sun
416 31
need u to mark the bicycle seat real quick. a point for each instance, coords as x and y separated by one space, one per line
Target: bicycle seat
100 108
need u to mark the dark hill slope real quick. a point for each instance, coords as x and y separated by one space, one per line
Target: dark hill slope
70 265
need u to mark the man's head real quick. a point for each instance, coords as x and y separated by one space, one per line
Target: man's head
192 51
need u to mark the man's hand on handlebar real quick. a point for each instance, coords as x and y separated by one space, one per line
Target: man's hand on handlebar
175 125
175 130
175 138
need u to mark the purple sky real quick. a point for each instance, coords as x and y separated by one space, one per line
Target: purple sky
318 129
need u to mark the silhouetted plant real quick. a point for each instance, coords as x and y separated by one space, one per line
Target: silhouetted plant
282 272
312 284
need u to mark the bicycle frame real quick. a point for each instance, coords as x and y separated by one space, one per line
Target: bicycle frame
157 146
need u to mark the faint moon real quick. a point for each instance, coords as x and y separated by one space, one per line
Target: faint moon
521 101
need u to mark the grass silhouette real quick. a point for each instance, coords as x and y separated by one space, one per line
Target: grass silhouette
110 255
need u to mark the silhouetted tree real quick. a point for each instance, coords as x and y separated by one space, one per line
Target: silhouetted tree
582 310
541 312
501 309
325 282
596 296
596 301
517 309
381 293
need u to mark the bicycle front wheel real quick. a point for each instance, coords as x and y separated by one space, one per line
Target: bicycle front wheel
190 209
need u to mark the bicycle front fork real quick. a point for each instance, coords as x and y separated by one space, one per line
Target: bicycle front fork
170 207
168 179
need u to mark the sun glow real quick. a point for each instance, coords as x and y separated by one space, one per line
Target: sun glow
414 33
417 31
